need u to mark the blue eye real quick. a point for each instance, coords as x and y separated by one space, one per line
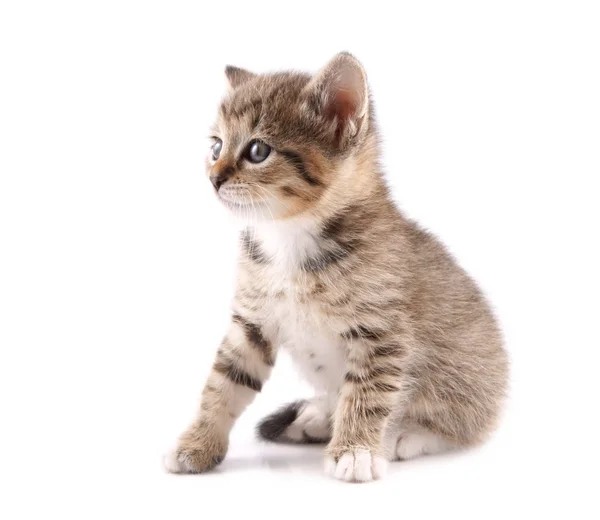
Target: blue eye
258 151
216 149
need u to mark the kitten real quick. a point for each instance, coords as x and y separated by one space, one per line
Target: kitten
400 344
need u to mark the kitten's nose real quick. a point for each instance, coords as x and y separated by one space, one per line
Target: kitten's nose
217 181
221 178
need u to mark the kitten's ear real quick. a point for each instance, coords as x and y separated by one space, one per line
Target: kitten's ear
236 76
340 93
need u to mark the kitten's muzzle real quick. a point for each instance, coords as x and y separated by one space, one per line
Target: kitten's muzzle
221 178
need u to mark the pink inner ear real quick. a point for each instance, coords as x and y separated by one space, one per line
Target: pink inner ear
343 108
343 105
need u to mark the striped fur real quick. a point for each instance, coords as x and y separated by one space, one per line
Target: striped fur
399 342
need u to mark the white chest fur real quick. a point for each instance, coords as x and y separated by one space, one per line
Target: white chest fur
316 350
287 243
295 322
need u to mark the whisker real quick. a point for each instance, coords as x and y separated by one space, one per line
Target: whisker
271 194
266 204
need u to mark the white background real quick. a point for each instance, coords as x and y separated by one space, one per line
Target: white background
116 261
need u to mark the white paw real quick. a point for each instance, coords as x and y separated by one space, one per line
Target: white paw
312 422
171 463
356 466
413 444
191 460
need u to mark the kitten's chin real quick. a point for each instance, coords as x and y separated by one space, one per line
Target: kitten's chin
247 211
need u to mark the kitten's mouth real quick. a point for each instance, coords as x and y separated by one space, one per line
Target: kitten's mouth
237 204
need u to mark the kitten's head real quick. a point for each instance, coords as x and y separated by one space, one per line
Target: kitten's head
280 140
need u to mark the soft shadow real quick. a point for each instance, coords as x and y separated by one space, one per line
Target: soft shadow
278 457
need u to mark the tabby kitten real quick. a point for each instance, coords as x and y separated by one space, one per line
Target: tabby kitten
398 341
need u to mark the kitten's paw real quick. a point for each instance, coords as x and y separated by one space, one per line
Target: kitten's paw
197 452
356 466
191 460
414 444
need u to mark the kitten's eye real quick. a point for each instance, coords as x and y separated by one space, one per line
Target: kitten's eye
258 151
216 149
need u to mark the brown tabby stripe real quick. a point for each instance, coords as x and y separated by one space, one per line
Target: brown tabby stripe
380 386
323 259
290 192
297 162
386 351
255 338
362 332
367 385
339 227
338 241
253 249
376 412
351 377
231 370
391 371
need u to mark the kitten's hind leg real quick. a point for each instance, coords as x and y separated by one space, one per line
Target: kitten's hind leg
415 442
300 422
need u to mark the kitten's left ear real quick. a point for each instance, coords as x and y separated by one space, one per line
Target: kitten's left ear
236 76
340 93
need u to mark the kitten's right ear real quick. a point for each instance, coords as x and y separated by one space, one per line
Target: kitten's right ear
237 76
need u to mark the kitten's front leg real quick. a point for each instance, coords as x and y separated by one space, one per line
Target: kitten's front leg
243 362
375 386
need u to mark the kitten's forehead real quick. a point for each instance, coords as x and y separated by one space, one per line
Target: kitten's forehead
269 100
